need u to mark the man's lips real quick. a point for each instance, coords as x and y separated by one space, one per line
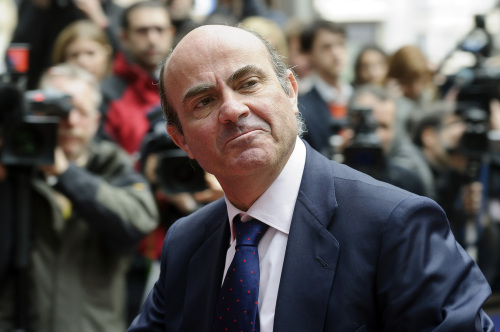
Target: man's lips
234 134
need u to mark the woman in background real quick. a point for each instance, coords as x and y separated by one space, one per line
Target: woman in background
86 45
370 66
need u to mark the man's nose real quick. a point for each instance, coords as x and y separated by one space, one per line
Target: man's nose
232 108
153 35
72 118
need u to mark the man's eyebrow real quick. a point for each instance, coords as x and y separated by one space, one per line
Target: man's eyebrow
245 71
196 90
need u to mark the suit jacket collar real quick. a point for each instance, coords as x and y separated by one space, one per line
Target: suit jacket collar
310 259
205 272
312 251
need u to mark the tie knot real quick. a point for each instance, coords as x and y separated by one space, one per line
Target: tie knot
248 233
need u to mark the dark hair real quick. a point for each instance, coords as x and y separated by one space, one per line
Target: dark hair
432 118
124 22
280 68
357 63
308 35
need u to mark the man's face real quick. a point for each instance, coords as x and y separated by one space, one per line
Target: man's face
451 132
236 118
384 113
148 37
328 54
78 129
441 143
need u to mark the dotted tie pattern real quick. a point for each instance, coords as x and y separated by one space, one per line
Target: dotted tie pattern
237 309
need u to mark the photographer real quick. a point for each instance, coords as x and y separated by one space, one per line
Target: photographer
89 211
392 158
179 185
441 135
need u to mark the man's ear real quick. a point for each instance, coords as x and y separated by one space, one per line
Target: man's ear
293 90
179 139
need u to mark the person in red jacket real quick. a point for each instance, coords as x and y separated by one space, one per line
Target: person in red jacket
131 92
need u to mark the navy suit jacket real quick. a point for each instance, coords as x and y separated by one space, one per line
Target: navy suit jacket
362 255
318 121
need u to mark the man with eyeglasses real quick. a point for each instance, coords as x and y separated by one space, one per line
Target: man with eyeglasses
131 92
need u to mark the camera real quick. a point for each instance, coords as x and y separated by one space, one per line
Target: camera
28 120
478 86
175 171
29 124
365 154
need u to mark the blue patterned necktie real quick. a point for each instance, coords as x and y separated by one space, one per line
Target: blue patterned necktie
237 309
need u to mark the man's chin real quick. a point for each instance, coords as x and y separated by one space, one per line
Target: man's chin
72 152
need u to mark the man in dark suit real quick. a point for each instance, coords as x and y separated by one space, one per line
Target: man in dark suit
324 106
342 251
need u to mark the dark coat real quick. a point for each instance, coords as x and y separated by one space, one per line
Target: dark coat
361 255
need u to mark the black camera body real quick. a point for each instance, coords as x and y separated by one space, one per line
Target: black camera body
478 86
365 154
29 123
175 171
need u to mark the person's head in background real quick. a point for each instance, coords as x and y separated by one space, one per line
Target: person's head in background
147 33
180 10
78 129
325 44
84 44
383 110
438 132
410 69
297 60
271 32
370 66
8 22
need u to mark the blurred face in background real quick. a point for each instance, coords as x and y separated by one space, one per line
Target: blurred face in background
413 89
149 36
77 130
328 54
384 114
442 143
90 55
180 9
372 67
296 59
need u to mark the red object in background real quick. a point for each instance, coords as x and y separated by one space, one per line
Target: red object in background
337 111
18 56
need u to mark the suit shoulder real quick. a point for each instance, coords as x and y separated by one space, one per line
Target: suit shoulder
356 188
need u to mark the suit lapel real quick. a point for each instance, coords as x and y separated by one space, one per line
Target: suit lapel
311 253
204 279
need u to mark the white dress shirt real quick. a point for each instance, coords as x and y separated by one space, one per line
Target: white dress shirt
274 208
331 94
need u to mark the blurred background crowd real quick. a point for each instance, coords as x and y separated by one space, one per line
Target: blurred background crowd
406 91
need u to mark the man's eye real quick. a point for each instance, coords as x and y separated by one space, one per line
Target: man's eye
204 102
249 84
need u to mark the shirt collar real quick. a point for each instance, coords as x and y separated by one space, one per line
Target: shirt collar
276 205
330 93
